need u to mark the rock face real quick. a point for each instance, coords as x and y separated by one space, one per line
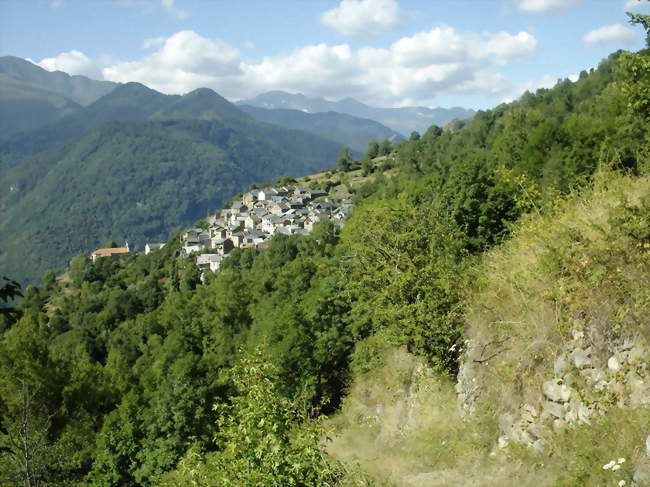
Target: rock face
590 374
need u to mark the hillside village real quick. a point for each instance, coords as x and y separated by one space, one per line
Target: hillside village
250 222
258 215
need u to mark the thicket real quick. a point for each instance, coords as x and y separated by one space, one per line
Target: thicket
112 374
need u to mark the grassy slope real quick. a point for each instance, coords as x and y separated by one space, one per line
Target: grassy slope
589 258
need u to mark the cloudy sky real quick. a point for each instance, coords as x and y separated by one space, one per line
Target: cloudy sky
470 53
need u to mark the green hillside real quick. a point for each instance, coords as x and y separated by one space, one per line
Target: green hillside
481 319
24 106
128 102
139 181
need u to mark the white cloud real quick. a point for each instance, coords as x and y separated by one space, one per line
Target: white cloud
56 3
71 62
185 61
362 18
635 4
610 33
249 44
544 6
413 70
169 6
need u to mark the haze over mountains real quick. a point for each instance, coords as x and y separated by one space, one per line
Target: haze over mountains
403 120
31 97
355 132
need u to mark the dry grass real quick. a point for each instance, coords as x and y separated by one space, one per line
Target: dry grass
572 270
585 266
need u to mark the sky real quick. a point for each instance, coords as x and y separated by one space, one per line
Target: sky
469 53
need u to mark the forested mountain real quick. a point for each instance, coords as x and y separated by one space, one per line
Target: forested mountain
353 132
79 89
502 266
128 102
403 120
139 180
31 97
24 106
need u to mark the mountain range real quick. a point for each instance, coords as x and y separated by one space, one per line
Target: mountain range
31 96
403 120
136 165
355 132
85 161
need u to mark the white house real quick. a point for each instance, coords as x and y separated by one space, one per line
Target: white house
152 246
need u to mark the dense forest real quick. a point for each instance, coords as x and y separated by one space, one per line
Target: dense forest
133 372
161 163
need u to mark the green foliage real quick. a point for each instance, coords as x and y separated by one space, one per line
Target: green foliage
384 147
373 149
9 291
128 356
163 175
635 72
404 268
263 438
344 161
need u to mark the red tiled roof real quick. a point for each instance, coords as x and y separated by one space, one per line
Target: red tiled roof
110 251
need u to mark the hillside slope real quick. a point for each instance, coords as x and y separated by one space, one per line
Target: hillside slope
139 181
128 102
24 106
555 370
501 267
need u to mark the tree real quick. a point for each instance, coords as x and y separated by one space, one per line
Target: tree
415 135
385 147
635 71
8 292
344 160
264 438
373 149
28 456
366 167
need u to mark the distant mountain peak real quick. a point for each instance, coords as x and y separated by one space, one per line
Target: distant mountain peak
402 120
77 88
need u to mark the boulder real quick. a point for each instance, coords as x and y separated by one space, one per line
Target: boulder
642 473
554 409
613 364
584 413
560 366
556 391
580 358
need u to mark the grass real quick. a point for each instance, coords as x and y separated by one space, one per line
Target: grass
582 267
585 266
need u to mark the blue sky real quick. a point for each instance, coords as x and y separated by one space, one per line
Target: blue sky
471 53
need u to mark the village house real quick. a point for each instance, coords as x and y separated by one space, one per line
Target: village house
259 214
152 246
223 246
114 253
210 262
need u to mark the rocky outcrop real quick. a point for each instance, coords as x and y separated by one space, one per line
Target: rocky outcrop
590 375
